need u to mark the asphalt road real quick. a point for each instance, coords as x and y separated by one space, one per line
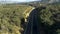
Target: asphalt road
35 26
32 26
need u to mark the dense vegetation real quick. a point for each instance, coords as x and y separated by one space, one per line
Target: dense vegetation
50 17
10 18
50 14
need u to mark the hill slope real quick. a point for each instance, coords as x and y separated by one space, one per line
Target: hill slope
10 18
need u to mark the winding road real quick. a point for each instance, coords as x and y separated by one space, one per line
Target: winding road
33 25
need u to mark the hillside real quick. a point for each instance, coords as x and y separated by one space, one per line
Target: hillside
49 18
10 18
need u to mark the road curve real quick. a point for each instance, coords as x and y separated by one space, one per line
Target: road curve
33 25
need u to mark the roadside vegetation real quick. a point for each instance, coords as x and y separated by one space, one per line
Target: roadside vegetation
50 17
50 14
10 18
